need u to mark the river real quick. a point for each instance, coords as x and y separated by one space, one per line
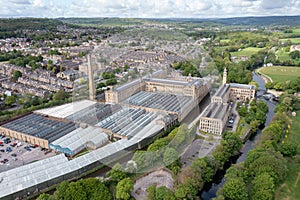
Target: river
210 190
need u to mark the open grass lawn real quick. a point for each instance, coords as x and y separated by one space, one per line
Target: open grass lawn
242 127
225 40
283 55
246 52
293 40
296 30
281 74
290 189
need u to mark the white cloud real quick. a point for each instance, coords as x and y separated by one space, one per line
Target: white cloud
147 8
273 4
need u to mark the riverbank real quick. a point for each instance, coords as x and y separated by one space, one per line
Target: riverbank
210 189
265 77
289 189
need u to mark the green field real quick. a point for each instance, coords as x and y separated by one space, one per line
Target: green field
290 189
246 52
225 40
293 40
281 74
283 55
296 30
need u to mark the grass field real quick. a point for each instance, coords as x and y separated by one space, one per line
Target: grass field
296 30
242 127
246 52
283 55
293 40
225 40
280 73
290 189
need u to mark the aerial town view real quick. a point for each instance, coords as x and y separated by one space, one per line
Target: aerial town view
150 100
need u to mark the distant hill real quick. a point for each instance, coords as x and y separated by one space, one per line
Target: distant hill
18 24
14 24
235 21
260 21
253 21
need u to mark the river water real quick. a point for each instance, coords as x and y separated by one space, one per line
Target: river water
210 190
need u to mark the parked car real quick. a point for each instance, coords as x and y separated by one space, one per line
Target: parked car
6 140
8 149
13 144
19 144
27 148
14 155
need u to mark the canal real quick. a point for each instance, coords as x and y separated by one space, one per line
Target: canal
210 189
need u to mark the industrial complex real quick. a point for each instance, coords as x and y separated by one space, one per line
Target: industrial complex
213 119
131 116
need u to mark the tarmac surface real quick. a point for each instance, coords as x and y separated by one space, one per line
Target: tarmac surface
19 155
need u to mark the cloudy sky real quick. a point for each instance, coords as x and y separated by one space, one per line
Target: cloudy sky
147 8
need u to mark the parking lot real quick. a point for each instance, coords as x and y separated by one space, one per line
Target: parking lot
198 149
14 153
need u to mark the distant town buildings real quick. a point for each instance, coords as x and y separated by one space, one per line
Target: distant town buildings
39 83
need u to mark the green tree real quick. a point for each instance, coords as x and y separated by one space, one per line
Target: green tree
10 100
287 102
243 111
108 75
60 95
186 191
76 191
44 197
101 192
201 167
170 156
235 189
117 70
151 192
164 193
295 54
111 81
158 144
269 85
126 67
262 187
288 149
61 189
17 74
124 187
273 164
100 85
255 84
117 173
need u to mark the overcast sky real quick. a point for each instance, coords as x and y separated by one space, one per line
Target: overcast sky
148 8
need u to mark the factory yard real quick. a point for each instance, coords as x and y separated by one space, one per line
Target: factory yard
15 154
198 149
